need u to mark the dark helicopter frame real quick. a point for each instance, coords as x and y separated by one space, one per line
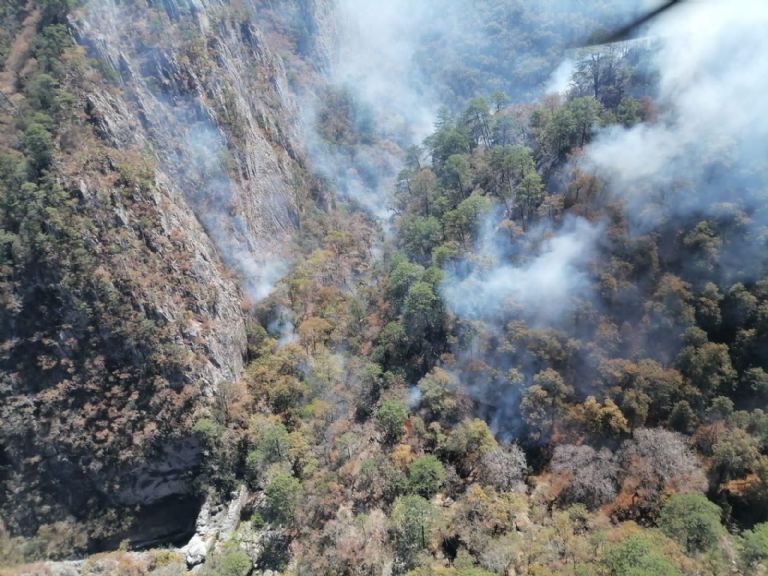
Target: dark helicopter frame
625 32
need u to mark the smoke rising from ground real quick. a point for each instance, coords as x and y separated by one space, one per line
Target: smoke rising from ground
192 148
560 80
542 287
702 154
706 149
259 270
709 143
403 60
373 64
377 45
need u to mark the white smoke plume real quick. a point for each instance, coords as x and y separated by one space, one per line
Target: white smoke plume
542 287
711 139
560 80
377 45
708 147
373 62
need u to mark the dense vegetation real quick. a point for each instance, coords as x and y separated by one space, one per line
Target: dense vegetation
385 428
626 413
86 350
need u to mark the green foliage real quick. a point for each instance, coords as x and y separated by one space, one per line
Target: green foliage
51 42
382 479
422 311
441 396
457 173
38 144
370 328
691 520
55 11
270 445
42 92
735 455
425 476
229 561
755 544
542 402
421 236
279 378
392 344
638 556
403 276
208 430
682 418
755 380
707 364
390 418
468 443
476 120
628 112
411 521
283 495
446 143
461 223
510 165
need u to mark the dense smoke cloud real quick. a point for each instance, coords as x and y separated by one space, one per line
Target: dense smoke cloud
377 45
709 144
373 64
542 287
705 150
403 60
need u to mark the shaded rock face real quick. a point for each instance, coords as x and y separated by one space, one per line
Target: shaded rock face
192 178
164 475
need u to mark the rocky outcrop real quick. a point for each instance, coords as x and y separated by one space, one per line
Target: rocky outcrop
202 91
264 546
216 522
197 87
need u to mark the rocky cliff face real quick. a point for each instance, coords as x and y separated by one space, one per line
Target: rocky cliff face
201 90
185 163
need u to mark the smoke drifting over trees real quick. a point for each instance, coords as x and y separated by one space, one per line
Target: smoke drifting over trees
550 278
696 153
507 296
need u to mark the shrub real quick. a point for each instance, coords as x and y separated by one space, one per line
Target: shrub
638 556
411 521
283 493
755 544
231 561
425 476
390 418
691 520
38 144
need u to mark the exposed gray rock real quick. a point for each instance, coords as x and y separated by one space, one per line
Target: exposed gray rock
219 116
216 522
255 542
213 111
196 550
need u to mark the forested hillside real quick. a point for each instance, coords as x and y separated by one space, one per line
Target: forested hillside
258 320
